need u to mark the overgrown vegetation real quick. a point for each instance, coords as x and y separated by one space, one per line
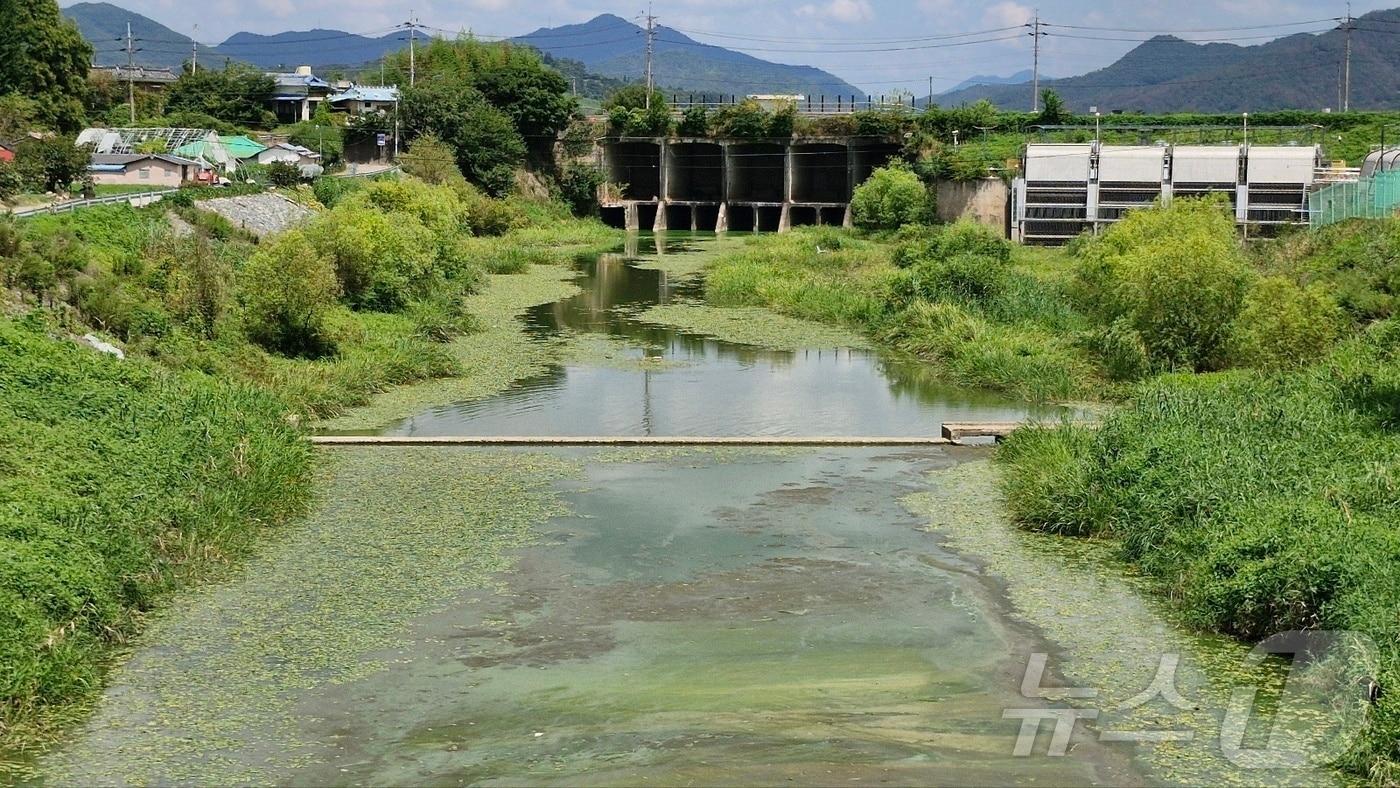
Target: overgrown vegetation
123 480
1263 503
134 476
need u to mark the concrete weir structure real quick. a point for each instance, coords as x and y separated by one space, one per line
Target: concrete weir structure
1066 189
743 185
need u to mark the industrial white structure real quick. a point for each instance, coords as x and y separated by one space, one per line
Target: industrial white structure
1066 189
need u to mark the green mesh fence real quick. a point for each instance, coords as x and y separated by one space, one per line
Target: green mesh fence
1369 198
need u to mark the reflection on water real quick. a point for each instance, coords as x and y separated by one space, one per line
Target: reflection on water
702 386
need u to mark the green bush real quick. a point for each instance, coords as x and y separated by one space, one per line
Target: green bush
695 122
629 115
286 289
1177 275
283 175
892 197
1283 325
381 261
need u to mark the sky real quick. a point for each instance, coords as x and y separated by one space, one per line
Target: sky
867 42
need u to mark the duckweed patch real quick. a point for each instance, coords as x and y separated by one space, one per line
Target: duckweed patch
490 359
756 326
395 535
1113 634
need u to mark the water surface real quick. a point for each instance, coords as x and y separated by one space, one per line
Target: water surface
697 385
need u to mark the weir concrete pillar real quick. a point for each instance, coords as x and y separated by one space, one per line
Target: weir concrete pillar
722 223
631 218
663 192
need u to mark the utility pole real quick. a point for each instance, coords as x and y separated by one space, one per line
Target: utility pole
194 56
412 46
930 93
1036 34
651 51
130 75
1346 63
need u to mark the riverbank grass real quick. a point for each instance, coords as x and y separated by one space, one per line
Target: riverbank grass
1261 503
123 481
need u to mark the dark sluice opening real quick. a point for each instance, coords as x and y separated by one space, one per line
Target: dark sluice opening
614 216
678 217
741 218
646 216
636 167
757 172
706 217
769 218
870 157
833 216
696 173
819 173
803 216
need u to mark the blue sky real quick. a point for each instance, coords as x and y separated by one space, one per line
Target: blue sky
851 38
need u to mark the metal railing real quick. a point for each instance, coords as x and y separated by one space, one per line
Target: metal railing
68 206
805 105
1376 197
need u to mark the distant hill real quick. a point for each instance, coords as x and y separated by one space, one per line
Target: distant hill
1019 78
614 47
104 26
1167 74
318 48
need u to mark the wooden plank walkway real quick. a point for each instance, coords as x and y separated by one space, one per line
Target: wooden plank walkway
623 440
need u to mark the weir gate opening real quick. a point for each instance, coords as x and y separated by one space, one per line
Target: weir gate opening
741 185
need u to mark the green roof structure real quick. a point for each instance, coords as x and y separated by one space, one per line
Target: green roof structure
239 147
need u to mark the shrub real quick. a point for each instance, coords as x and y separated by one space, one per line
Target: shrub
695 122
1177 275
917 242
432 161
283 174
381 261
286 288
745 120
629 116
578 186
1283 325
891 198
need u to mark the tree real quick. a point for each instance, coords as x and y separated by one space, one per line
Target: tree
235 94
891 198
432 161
695 122
53 163
18 115
44 57
1053 111
485 142
629 116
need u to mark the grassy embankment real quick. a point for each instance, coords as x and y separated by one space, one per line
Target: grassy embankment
124 479
1251 468
1262 501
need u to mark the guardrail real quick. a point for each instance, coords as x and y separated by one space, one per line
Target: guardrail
68 206
807 105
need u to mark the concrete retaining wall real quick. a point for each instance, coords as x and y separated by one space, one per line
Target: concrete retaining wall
986 202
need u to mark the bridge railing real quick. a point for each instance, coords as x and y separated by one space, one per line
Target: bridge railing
807 105
1376 197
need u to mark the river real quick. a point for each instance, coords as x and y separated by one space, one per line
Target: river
672 616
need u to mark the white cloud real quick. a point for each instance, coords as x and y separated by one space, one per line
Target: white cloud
849 11
1007 14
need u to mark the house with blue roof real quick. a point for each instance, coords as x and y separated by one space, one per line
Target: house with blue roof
297 94
362 99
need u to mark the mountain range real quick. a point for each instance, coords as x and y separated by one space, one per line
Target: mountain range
614 47
1169 74
607 45
1162 74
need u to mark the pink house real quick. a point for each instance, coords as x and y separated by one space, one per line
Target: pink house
157 170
